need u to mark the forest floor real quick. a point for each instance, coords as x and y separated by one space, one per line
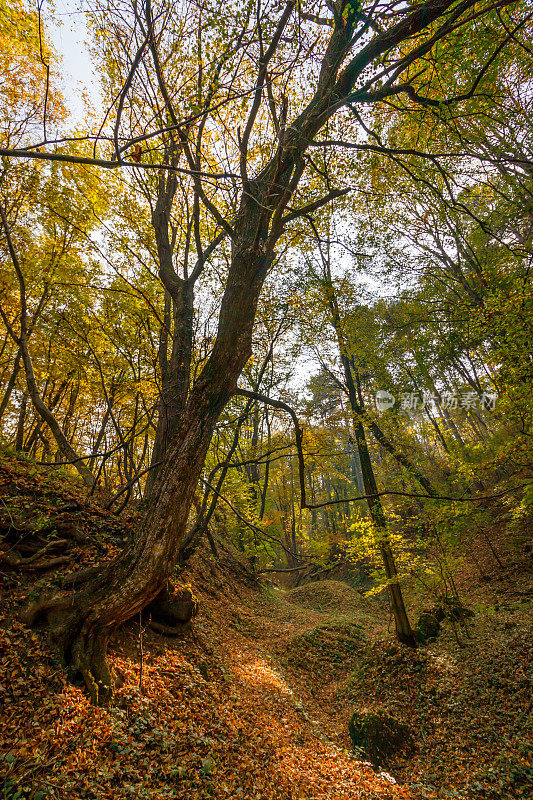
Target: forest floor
253 700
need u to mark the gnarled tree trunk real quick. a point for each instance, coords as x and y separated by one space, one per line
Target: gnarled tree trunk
82 620
175 375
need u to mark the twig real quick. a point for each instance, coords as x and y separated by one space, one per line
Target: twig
141 649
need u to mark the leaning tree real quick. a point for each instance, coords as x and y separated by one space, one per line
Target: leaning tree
278 73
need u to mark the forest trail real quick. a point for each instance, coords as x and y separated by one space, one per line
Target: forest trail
301 661
302 643
253 700
209 714
295 748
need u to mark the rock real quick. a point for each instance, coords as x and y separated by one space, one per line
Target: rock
172 609
452 608
428 627
380 735
203 670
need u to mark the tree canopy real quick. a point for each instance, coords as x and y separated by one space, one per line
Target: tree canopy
278 285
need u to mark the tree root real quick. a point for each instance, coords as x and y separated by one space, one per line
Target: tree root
79 577
32 562
52 563
81 619
83 645
89 658
34 612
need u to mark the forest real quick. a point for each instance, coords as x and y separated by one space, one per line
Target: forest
266 399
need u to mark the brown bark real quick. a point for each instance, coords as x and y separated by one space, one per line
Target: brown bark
177 333
404 631
175 373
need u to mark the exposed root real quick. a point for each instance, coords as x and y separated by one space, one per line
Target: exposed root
34 612
80 621
32 562
407 639
83 645
89 653
77 578
52 563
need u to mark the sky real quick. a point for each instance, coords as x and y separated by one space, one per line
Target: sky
77 76
69 35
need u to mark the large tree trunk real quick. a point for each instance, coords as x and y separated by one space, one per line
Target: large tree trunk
175 375
82 620
177 334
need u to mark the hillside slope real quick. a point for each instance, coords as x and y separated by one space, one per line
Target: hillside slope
253 700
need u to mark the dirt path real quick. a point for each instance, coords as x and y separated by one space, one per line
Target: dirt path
242 707
293 734
214 717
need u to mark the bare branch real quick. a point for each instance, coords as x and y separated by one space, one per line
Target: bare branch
310 207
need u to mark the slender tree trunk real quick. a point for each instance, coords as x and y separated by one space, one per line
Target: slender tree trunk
100 437
47 416
404 632
387 445
438 431
267 470
19 437
22 341
314 512
11 383
253 472
452 427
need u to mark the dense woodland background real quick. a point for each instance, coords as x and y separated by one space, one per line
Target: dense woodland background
381 431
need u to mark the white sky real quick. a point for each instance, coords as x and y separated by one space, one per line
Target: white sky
77 74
